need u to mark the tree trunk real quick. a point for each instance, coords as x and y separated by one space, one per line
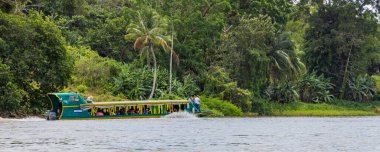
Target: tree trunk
154 72
343 88
171 64
148 59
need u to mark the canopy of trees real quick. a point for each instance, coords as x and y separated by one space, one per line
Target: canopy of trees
238 51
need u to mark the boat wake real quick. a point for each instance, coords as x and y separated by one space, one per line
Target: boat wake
32 118
184 115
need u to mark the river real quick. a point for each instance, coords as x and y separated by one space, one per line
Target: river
356 134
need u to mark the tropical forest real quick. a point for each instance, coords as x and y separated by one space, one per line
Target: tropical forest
241 57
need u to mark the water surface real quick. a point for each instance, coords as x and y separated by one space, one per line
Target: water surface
359 134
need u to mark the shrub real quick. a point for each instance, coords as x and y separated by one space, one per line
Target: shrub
362 89
218 83
82 88
93 71
237 96
313 88
10 94
261 106
133 82
188 87
228 109
284 94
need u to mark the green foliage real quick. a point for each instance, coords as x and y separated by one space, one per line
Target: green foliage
33 48
218 83
10 94
147 32
377 80
82 88
93 72
261 106
188 87
214 80
284 94
243 52
224 107
284 64
278 10
256 56
362 89
237 96
108 39
230 50
313 88
133 82
336 38
334 108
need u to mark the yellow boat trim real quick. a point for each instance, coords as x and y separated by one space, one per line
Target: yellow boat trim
144 102
60 116
71 106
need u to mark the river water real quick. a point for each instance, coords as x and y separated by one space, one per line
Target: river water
288 134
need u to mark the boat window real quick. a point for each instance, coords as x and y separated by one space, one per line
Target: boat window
73 98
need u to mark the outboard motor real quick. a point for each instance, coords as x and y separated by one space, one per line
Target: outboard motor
50 115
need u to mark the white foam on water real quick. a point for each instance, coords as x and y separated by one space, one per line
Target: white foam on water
31 118
184 115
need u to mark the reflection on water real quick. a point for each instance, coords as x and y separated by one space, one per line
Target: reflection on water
203 134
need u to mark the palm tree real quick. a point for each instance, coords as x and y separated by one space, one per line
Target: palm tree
284 63
147 33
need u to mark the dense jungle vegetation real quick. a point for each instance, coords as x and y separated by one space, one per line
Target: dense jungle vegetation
242 56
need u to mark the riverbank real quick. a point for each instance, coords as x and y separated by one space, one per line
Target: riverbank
266 108
336 108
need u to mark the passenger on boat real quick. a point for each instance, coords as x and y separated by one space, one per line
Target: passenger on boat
137 111
130 112
99 113
197 104
106 111
192 102
90 99
122 111
147 111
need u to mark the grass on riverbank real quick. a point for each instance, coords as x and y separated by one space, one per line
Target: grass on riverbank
336 108
377 79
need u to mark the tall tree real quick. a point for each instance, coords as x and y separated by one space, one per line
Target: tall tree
335 39
33 48
149 31
255 57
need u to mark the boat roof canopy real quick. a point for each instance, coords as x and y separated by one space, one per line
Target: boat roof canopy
74 99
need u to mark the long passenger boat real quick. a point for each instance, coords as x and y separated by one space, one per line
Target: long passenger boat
72 106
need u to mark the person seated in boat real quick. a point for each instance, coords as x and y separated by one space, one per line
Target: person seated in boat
99 113
147 111
131 112
121 111
106 111
137 111
90 99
